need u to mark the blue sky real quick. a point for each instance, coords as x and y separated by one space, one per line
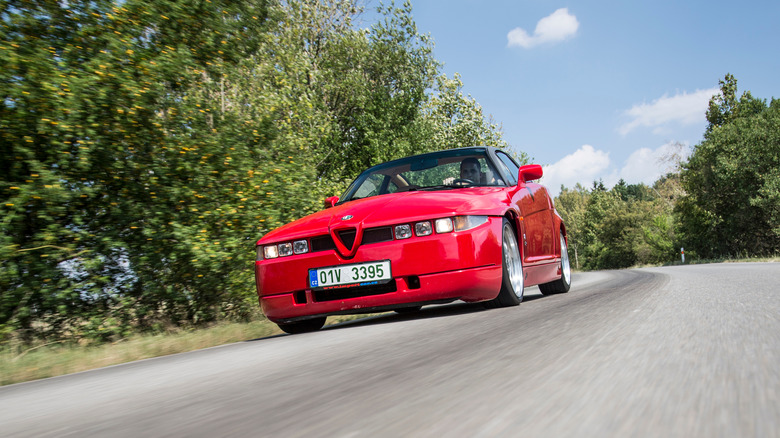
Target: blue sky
602 89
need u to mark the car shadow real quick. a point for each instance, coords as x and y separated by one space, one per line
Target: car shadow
427 312
432 311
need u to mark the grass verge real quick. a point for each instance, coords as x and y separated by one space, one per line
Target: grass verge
725 260
50 360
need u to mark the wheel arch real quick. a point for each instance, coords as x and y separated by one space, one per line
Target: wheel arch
561 230
515 220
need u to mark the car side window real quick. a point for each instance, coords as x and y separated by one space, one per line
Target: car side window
370 186
511 167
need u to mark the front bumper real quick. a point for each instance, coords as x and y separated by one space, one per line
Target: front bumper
462 265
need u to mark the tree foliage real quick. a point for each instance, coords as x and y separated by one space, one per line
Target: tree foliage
731 179
723 201
571 205
144 147
627 225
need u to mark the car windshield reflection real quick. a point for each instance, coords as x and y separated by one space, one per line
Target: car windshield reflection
447 170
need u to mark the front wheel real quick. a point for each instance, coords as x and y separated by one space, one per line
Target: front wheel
512 282
561 285
305 326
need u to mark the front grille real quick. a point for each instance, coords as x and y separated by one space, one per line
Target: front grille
375 235
353 292
348 237
370 235
322 243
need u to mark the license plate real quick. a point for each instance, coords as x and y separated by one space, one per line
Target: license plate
360 274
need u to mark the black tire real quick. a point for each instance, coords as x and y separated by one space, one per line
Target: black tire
513 277
408 310
305 326
563 284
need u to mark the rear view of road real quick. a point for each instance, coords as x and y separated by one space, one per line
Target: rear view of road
677 351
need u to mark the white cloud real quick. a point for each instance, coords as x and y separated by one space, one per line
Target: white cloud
553 28
583 166
588 164
684 109
646 165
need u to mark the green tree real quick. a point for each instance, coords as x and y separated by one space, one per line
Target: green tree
724 107
627 225
571 204
731 201
610 232
660 235
453 120
374 84
95 136
632 192
54 267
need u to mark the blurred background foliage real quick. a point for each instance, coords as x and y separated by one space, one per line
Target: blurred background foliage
146 146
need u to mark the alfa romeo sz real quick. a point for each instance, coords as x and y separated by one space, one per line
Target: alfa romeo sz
462 224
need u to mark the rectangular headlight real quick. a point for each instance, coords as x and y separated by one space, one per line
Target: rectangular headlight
444 225
423 228
271 252
300 247
285 249
259 253
403 231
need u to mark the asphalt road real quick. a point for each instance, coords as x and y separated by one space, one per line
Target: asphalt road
690 351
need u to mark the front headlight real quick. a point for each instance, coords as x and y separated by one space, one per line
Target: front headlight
271 252
463 223
403 231
285 249
282 250
443 225
300 247
423 228
458 223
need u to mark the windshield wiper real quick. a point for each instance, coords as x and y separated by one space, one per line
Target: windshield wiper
441 187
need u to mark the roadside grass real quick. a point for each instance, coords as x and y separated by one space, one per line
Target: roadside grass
26 363
774 259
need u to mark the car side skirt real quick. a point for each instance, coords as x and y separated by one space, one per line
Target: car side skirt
543 273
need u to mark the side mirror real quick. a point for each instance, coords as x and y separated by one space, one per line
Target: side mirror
330 202
530 172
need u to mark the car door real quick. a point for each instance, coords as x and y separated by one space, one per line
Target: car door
533 204
538 223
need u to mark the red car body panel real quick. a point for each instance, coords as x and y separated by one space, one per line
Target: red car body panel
460 265
464 265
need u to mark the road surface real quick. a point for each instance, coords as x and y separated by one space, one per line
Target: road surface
686 351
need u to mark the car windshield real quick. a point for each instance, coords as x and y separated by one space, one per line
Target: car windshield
447 170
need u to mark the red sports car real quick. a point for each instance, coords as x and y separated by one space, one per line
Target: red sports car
463 224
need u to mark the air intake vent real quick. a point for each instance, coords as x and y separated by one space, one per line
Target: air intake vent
348 237
375 235
322 243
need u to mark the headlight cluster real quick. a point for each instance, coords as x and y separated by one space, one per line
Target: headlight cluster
265 252
443 225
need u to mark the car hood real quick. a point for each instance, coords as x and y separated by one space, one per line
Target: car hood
395 208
